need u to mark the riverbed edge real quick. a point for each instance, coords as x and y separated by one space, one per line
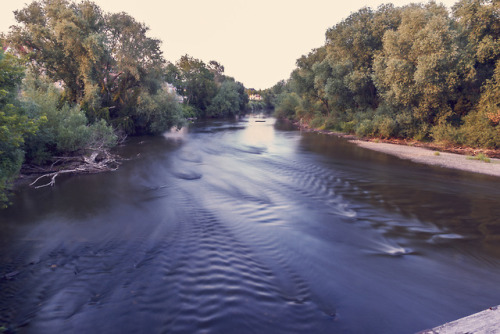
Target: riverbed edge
485 321
459 158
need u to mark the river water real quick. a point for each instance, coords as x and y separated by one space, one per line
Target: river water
250 227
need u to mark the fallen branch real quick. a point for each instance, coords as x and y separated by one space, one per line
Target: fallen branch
97 162
53 177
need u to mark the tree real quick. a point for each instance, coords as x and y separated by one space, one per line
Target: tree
229 101
351 46
306 83
157 112
196 82
218 71
14 123
417 69
103 61
478 23
66 129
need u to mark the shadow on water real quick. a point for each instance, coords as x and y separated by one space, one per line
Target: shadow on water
250 226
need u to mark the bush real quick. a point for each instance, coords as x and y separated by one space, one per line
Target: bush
331 123
479 131
318 122
10 164
365 128
156 113
447 134
15 124
407 124
65 130
287 104
348 127
226 102
384 126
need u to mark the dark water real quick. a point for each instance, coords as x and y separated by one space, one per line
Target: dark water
249 227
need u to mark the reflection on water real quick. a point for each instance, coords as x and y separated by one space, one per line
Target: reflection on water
250 227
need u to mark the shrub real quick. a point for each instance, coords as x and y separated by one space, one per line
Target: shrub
385 126
331 123
480 157
365 128
287 104
447 134
156 113
318 122
348 127
65 130
478 131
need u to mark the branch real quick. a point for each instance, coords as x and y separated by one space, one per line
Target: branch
53 179
83 164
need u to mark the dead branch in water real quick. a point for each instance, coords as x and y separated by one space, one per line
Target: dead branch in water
96 162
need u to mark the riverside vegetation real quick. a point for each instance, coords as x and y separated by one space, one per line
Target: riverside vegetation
413 72
75 80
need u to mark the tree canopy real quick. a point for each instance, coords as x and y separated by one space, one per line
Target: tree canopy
416 71
102 61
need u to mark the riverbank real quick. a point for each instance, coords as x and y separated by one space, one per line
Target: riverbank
436 158
462 158
482 322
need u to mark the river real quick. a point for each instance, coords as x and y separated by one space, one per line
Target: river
250 226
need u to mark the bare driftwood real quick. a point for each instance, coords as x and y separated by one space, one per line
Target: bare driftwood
96 161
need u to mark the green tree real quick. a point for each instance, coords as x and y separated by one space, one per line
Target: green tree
195 81
306 81
230 99
15 125
103 61
157 112
66 129
351 46
417 70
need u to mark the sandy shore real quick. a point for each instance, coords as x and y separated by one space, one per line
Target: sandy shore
426 156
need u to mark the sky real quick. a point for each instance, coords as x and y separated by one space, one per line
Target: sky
257 41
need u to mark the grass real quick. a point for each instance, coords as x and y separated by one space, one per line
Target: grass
480 157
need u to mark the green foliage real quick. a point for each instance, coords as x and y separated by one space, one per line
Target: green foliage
65 130
103 62
365 128
417 67
478 131
15 125
447 134
157 113
286 105
196 83
411 72
480 157
318 122
255 106
226 102
206 89
188 112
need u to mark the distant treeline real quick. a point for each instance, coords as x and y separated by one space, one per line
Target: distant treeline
74 79
418 71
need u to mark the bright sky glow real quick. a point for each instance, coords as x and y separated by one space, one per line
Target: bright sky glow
257 41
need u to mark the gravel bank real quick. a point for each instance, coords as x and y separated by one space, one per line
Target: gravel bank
426 156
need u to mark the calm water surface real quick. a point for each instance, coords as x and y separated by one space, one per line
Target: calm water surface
250 227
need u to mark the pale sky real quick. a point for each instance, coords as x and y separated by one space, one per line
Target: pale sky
257 41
